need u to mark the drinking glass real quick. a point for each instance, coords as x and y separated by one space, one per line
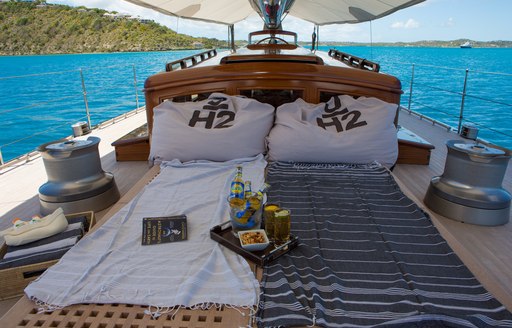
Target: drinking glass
268 215
282 226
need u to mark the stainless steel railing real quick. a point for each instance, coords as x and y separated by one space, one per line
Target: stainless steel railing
457 115
120 104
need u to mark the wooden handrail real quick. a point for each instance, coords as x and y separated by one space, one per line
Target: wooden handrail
190 61
271 48
354 61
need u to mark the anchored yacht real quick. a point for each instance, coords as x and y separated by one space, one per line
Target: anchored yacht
466 44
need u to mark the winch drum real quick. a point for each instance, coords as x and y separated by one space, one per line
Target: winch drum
470 188
76 180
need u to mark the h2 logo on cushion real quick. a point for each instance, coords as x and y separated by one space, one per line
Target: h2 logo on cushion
336 117
215 108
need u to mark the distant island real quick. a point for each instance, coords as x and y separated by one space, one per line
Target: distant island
426 43
35 27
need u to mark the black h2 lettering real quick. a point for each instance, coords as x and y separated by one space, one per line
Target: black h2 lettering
196 117
334 114
212 108
334 122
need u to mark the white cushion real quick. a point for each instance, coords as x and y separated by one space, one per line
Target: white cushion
36 229
219 128
343 130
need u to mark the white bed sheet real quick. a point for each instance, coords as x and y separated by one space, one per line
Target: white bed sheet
110 265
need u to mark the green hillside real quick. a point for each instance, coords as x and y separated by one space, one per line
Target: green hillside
26 28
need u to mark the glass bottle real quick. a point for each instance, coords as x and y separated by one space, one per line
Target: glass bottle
248 189
236 195
253 203
257 197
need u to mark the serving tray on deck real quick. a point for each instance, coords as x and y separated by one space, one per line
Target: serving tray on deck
223 234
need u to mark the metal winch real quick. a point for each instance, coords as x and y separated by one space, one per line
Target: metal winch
76 181
470 188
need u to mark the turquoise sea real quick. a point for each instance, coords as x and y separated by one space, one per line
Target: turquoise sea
42 96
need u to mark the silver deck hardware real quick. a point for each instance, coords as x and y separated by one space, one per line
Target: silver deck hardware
76 181
80 129
469 131
470 188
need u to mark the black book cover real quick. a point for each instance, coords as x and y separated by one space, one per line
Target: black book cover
164 229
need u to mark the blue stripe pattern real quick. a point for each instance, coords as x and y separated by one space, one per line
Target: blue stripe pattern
368 257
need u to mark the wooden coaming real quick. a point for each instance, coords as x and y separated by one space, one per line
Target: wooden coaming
236 74
231 79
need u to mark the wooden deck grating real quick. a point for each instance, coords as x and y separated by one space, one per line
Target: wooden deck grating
485 250
128 316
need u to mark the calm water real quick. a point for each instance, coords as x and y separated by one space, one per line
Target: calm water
438 84
52 96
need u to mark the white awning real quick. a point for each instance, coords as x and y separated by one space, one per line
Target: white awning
319 12
215 11
323 12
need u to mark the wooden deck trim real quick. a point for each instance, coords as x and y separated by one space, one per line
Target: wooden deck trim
306 59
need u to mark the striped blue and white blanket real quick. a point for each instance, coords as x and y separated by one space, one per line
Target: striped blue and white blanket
368 257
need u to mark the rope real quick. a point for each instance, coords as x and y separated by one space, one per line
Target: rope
489 100
434 109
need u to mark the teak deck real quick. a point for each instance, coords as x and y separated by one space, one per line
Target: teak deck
485 250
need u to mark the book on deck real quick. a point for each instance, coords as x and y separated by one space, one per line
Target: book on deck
164 229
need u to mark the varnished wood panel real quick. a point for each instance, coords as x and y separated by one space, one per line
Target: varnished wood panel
134 150
230 79
409 153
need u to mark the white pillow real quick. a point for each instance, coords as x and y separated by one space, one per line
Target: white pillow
36 229
343 130
219 128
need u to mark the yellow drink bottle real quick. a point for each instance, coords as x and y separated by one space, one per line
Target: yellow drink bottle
236 195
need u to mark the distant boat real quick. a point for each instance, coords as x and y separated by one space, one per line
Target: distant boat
466 44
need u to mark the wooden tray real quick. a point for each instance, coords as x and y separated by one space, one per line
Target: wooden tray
223 234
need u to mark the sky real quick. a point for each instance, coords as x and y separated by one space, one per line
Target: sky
478 20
